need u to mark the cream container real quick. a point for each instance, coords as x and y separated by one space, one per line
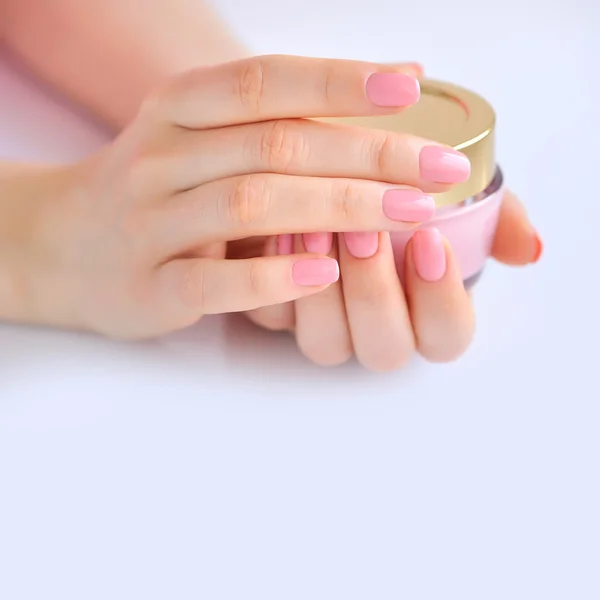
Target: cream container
467 215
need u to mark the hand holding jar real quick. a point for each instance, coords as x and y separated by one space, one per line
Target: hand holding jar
408 291
220 197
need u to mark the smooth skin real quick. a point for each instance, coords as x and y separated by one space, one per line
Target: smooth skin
368 314
185 213
139 234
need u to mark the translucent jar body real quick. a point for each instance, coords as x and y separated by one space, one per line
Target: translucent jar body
469 227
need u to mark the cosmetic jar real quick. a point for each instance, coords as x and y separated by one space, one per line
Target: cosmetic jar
467 215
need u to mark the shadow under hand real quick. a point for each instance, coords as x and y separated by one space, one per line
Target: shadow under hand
234 342
235 345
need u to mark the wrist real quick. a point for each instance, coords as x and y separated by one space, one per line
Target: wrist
35 219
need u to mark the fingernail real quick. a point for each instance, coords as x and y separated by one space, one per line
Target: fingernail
319 243
443 165
429 254
539 248
393 89
408 205
315 271
362 244
284 244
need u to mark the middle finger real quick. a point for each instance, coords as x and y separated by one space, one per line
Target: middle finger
310 148
322 331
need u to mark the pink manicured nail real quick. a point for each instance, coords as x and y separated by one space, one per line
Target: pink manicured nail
443 165
362 244
315 271
284 244
319 243
429 254
408 205
393 89
539 248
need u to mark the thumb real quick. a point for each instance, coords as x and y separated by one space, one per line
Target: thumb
516 241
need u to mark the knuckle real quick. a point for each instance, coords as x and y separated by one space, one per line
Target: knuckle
133 225
272 318
249 83
346 201
326 355
256 279
192 286
283 147
169 101
249 201
162 100
393 359
133 216
327 85
142 177
381 153
375 296
152 105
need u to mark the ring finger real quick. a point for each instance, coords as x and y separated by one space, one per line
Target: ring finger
322 331
380 325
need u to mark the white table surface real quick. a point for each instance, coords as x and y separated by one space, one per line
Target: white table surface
217 463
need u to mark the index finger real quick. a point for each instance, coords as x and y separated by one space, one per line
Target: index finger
274 87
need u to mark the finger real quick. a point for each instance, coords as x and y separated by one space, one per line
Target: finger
516 241
412 68
272 87
269 204
322 332
278 317
208 286
380 326
441 311
304 147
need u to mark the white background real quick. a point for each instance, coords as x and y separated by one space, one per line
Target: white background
217 463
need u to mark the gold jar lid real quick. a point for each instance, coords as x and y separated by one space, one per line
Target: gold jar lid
450 115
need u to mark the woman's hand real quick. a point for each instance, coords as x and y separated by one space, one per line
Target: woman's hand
367 313
135 243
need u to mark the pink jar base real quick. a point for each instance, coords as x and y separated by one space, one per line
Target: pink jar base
469 228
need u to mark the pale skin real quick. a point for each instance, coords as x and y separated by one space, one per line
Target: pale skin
190 210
